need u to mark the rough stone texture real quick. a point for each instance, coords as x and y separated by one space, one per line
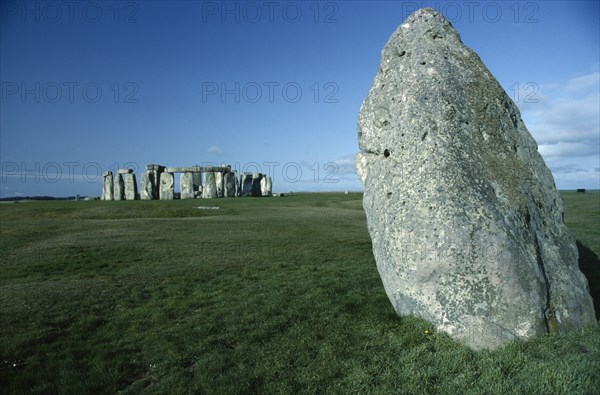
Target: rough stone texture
269 186
167 186
246 184
186 183
256 178
125 171
209 186
230 184
265 186
157 168
131 191
464 216
148 185
119 187
219 179
107 186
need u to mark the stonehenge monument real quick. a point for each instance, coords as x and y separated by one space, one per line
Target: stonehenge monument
207 182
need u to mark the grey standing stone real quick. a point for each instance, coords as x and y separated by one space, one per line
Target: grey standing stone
107 186
266 186
209 186
219 180
464 216
131 191
230 183
167 186
147 186
246 184
119 187
256 179
269 186
186 183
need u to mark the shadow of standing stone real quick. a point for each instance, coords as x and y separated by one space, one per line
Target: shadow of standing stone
589 264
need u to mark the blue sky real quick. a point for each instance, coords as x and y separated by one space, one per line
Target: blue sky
269 86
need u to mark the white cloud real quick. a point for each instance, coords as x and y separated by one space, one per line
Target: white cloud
568 149
215 149
346 165
565 121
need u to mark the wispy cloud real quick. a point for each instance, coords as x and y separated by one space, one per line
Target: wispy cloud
345 165
565 121
215 149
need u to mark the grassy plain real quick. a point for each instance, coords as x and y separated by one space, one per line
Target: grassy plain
277 295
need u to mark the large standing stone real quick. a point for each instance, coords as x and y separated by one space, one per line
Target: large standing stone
131 192
107 186
266 186
167 186
150 182
119 187
219 180
186 183
464 216
246 184
209 186
230 184
256 179
147 186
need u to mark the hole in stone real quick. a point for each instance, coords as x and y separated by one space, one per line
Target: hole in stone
386 153
402 53
422 63
389 195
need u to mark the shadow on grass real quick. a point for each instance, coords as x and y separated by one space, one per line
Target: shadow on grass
589 264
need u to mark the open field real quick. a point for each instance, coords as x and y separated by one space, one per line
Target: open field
276 295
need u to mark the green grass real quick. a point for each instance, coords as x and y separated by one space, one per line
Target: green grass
276 295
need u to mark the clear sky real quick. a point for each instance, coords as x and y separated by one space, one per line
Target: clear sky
273 86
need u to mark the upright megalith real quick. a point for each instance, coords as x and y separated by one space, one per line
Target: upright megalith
149 182
107 186
209 186
246 184
230 184
256 179
464 216
131 191
167 186
118 187
266 186
219 180
186 183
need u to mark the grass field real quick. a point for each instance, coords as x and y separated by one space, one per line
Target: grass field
276 295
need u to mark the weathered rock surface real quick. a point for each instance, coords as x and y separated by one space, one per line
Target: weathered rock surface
464 216
230 184
119 187
246 184
219 179
186 183
131 191
148 185
107 186
266 186
167 186
256 179
209 186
